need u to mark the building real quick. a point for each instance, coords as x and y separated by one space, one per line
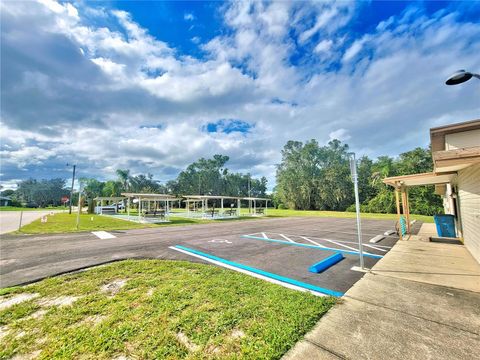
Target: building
4 200
456 176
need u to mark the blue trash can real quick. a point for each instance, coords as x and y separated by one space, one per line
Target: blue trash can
445 225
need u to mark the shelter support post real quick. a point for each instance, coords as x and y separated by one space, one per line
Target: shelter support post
399 214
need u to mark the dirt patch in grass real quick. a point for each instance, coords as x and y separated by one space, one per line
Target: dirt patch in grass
114 287
156 309
93 320
58 301
6 302
30 356
185 341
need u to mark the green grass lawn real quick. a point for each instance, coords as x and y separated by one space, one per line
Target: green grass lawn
341 214
165 310
16 208
64 222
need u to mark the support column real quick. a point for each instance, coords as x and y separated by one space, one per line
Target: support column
407 210
239 206
397 201
139 209
128 208
221 203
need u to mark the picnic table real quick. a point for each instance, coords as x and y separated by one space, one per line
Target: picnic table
154 214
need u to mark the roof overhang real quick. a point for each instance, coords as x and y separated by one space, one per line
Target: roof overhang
419 179
437 134
109 198
455 159
208 197
151 197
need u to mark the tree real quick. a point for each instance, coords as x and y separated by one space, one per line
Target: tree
92 187
41 193
124 178
112 188
314 177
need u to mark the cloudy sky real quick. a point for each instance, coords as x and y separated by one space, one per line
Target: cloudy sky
153 86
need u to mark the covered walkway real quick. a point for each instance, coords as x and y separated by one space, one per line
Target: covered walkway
197 206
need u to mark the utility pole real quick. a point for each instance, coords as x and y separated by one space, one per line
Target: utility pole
71 190
353 170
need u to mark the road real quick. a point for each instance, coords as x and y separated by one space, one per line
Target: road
10 220
27 258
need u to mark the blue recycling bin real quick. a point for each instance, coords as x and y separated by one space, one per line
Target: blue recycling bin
445 225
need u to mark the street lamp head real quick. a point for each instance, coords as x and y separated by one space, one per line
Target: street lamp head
459 77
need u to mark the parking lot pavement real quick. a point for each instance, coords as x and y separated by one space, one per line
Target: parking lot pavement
30 258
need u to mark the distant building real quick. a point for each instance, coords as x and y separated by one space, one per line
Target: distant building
5 200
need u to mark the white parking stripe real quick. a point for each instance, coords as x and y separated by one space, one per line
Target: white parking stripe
103 235
341 241
339 244
374 247
281 283
313 242
286 238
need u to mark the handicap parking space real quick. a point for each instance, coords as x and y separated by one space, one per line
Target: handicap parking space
287 252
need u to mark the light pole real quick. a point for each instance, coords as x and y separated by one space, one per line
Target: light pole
461 76
353 170
249 195
71 189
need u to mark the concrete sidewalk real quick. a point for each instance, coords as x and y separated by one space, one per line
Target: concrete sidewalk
421 301
10 220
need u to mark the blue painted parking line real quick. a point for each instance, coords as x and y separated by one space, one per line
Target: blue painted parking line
261 272
366 254
326 263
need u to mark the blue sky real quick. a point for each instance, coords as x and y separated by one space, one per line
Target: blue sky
153 86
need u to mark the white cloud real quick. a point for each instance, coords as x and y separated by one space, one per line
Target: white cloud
107 94
188 17
323 46
340 134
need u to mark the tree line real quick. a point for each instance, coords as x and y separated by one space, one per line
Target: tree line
203 177
314 177
309 177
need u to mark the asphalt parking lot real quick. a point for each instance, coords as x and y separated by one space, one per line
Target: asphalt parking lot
285 247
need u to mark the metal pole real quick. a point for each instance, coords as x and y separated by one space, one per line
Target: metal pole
20 223
71 190
353 169
249 195
79 207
